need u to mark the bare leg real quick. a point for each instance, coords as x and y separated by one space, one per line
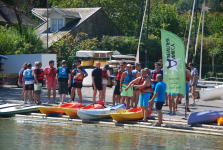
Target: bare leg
118 100
54 95
136 100
79 94
103 91
49 93
145 113
170 103
160 116
100 95
193 93
114 99
94 95
72 94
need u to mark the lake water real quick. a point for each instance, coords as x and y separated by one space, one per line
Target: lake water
18 135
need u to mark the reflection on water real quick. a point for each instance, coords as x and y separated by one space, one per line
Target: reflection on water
16 135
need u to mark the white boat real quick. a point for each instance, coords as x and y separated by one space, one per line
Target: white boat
11 111
212 93
95 114
8 105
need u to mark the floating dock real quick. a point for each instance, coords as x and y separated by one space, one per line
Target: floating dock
168 124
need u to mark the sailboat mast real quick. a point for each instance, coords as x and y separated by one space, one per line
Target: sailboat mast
202 39
140 35
189 35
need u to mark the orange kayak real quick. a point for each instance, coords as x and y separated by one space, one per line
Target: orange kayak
220 121
128 115
59 109
72 112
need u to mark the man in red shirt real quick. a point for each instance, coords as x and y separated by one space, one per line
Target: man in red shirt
51 81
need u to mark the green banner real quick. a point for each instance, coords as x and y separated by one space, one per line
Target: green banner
173 55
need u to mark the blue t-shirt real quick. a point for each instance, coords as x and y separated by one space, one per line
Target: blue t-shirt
161 89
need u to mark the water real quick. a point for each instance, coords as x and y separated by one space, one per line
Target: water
20 135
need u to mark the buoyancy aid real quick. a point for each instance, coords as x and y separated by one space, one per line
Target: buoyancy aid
62 72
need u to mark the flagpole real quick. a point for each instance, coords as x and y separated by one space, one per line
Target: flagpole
140 35
189 35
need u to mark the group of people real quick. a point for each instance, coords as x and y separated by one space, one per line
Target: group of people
132 85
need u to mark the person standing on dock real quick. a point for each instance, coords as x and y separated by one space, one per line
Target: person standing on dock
137 73
73 80
126 78
29 84
144 87
159 98
116 94
39 77
104 81
63 76
51 81
194 80
97 81
21 79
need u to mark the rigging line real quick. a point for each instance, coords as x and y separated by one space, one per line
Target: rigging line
140 35
189 35
187 23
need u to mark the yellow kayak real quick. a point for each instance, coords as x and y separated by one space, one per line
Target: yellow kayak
128 115
220 121
71 112
59 109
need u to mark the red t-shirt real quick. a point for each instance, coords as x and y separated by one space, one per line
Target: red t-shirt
50 73
119 75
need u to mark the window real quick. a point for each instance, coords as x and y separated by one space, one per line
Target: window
56 24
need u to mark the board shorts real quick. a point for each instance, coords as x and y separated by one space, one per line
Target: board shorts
38 88
144 99
117 88
63 87
128 93
50 84
159 105
98 85
77 85
173 94
29 87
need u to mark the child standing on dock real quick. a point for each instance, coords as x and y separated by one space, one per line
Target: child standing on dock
51 81
38 76
159 98
29 84
63 76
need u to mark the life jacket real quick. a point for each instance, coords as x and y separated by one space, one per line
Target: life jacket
39 74
129 77
51 72
62 72
187 77
28 76
154 74
104 74
144 89
119 75
79 79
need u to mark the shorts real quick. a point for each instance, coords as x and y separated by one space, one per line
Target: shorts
144 99
51 84
187 91
77 85
37 88
29 87
159 105
117 88
128 93
63 87
172 94
98 85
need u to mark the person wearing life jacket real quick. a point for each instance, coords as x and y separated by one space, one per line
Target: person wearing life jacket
78 84
126 78
51 81
29 84
104 81
21 79
143 85
137 73
64 80
73 81
157 70
116 94
39 77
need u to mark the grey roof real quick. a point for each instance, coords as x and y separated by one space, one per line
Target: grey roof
63 12
8 15
82 14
